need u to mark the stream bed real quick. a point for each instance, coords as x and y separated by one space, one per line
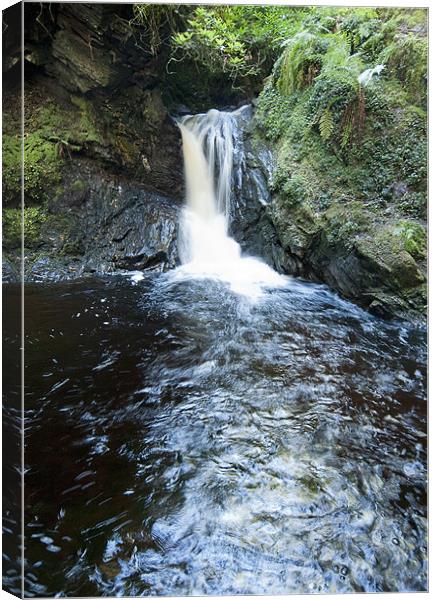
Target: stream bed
185 439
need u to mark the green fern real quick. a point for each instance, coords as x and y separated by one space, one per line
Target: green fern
326 124
301 61
407 59
413 236
347 131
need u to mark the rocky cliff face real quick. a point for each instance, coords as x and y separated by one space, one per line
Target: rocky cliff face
369 264
101 225
103 172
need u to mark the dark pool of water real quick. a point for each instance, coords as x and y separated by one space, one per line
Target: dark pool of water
181 439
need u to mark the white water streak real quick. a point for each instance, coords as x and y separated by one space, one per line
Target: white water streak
206 250
214 133
366 77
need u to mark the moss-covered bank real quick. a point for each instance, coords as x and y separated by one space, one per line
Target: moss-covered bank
349 187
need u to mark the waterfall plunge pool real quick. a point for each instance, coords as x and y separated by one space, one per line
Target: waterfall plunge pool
182 438
219 429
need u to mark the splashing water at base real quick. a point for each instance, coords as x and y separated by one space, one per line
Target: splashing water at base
206 250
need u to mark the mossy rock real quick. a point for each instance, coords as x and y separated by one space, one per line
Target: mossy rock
52 134
414 238
343 223
295 225
40 227
74 122
87 129
386 255
154 111
11 168
42 167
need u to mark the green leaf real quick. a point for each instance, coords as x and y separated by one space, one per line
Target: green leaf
326 124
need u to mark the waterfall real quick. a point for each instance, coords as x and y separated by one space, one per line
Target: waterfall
212 134
205 248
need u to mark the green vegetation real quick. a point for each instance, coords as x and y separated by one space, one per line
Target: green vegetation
363 141
414 237
352 148
33 217
11 168
406 59
154 21
235 48
238 41
42 163
230 49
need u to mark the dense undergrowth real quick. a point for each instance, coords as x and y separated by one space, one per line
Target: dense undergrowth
346 108
215 54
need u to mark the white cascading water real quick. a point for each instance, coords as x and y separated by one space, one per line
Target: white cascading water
206 250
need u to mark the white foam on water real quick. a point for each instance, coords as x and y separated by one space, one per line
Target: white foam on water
135 276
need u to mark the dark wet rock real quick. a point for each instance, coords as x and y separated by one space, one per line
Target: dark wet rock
93 89
10 271
399 189
108 196
88 46
48 268
81 60
181 110
250 223
112 225
11 38
126 227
